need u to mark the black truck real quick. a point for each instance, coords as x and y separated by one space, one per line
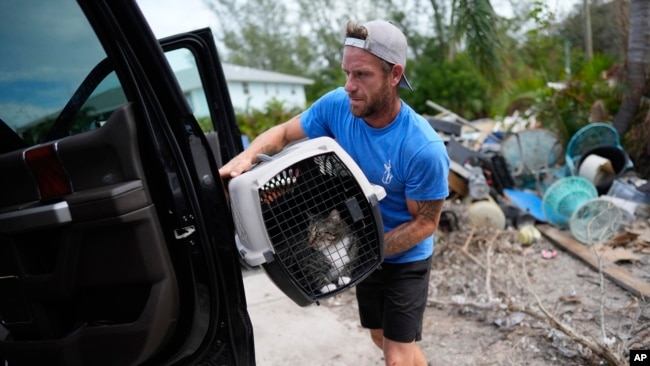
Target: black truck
116 242
119 242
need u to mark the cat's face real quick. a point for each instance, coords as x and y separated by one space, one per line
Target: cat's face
324 231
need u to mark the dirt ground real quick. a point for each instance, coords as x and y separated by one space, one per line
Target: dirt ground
493 301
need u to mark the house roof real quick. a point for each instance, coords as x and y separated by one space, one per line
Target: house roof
243 73
189 78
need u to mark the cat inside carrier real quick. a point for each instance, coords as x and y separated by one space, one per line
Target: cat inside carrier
310 218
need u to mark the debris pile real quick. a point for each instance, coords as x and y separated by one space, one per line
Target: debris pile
584 199
587 188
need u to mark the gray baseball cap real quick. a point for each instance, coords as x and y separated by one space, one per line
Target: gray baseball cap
385 41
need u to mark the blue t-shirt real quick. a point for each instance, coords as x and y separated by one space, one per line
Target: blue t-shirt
407 158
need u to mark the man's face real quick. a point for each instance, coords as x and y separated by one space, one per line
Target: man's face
367 85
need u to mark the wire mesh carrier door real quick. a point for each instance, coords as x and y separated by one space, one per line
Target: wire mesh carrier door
310 218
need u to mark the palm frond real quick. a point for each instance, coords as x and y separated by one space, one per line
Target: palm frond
477 24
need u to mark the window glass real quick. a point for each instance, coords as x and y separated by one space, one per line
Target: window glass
184 66
45 61
48 49
103 100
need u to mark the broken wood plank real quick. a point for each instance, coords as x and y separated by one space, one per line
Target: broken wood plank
457 184
460 170
615 273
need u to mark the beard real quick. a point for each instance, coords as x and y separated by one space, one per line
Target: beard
376 103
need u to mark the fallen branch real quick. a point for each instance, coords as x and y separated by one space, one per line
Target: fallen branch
600 350
476 305
469 239
488 274
602 294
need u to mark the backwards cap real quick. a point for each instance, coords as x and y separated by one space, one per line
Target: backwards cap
385 41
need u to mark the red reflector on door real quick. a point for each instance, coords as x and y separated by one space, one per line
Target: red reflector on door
50 176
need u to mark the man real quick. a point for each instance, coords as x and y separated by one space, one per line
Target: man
397 149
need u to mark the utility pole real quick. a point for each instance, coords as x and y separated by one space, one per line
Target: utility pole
589 47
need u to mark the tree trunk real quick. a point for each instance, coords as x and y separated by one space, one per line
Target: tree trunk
637 64
438 23
589 44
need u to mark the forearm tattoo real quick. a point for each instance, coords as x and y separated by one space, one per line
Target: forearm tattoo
408 234
430 210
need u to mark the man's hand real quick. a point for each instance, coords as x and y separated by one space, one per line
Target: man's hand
238 165
271 142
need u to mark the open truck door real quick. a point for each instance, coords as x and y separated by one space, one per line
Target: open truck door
116 237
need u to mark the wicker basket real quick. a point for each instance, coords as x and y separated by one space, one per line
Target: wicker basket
595 221
564 197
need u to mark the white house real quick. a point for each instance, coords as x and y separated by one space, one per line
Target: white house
249 88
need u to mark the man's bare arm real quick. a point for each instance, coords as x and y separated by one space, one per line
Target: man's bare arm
426 215
271 142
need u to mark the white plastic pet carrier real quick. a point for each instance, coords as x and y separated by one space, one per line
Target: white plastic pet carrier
310 218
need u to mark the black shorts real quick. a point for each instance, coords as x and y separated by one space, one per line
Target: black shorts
394 297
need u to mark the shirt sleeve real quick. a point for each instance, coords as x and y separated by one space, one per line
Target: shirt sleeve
429 173
317 120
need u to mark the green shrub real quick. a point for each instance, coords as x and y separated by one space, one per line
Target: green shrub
256 121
